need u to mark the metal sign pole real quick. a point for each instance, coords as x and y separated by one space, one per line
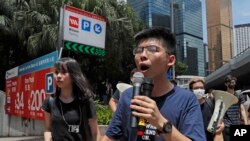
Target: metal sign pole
60 35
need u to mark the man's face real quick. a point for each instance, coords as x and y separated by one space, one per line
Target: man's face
231 84
152 59
198 89
198 85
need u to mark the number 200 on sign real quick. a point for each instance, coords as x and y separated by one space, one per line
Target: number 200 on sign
36 99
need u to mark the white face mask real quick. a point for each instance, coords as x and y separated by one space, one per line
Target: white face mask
199 93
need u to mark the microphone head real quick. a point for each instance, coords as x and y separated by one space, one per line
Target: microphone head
138 77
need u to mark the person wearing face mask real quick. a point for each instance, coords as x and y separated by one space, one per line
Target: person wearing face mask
196 85
232 115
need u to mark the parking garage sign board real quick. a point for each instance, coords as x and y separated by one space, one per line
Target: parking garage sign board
83 27
28 85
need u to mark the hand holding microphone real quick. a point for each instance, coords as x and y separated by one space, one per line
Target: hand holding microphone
147 88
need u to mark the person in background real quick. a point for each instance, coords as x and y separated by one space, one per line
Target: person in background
102 89
207 103
232 115
171 113
70 114
116 96
109 91
210 94
114 99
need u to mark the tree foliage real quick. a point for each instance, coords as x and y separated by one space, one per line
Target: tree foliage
29 29
180 68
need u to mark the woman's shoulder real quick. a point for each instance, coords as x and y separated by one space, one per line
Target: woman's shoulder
47 103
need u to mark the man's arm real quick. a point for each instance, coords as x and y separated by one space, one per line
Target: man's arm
175 135
47 132
219 132
114 100
112 104
243 113
146 108
94 129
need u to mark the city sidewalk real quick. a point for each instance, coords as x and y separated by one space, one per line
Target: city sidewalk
23 138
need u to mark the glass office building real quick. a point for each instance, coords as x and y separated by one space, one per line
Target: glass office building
187 28
152 12
188 31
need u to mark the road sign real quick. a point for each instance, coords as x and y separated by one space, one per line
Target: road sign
97 28
83 27
83 48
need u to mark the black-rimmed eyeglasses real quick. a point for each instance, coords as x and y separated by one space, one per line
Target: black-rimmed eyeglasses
149 50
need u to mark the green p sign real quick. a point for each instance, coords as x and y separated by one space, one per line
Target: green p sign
83 48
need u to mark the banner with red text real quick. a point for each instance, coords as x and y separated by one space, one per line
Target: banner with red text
28 85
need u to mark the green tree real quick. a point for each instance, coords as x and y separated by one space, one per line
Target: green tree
30 30
180 68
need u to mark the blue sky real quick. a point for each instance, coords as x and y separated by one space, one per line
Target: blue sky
240 11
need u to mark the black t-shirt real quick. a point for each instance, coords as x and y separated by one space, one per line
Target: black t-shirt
72 114
207 109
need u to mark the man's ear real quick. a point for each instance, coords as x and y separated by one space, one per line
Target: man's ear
171 61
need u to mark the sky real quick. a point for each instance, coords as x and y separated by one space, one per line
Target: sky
240 11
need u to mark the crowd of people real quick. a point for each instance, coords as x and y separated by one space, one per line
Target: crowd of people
171 113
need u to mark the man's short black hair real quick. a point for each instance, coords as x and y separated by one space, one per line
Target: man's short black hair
229 78
161 33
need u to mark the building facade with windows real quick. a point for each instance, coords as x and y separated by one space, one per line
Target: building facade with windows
189 35
187 28
220 32
242 38
152 12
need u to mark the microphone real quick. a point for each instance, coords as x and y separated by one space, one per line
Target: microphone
147 88
137 81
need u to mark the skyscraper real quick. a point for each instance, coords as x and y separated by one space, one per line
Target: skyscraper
187 28
152 12
188 31
242 38
220 32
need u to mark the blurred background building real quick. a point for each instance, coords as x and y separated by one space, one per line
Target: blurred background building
242 38
220 32
187 28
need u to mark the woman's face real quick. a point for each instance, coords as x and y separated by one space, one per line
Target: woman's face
63 79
